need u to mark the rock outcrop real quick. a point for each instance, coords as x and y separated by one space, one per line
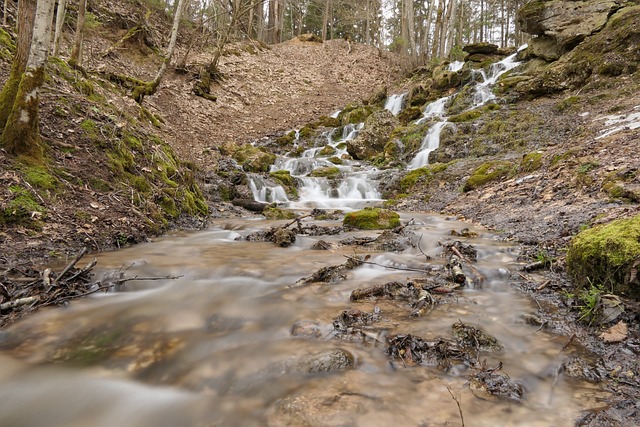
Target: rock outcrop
373 137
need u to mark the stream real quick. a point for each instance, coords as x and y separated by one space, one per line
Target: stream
214 345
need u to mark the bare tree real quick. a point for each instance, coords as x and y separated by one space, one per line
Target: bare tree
76 53
21 133
62 5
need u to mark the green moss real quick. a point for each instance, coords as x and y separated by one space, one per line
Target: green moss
326 172
277 213
7 46
283 177
22 208
354 114
372 219
328 122
567 103
99 184
531 162
307 131
335 160
327 150
607 254
487 172
471 115
39 177
253 159
133 142
96 346
154 119
90 129
424 174
409 114
286 140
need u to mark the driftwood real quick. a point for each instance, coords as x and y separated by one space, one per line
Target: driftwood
456 270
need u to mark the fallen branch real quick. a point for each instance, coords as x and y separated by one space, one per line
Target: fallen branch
387 266
70 266
19 302
167 277
475 270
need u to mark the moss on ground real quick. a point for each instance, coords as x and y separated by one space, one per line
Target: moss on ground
22 208
608 255
487 172
531 162
372 219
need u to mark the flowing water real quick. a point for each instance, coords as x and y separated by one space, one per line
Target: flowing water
214 347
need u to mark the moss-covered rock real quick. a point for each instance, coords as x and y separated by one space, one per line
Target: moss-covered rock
283 177
253 159
488 172
372 219
287 139
423 175
409 114
372 139
330 172
608 255
277 213
327 150
354 114
531 162
21 208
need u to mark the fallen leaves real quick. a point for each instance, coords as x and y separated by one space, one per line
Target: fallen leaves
616 333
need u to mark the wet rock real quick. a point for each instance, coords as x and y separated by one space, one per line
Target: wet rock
306 329
472 337
330 274
354 318
323 214
284 237
277 213
413 350
329 361
253 159
492 385
249 204
469 251
373 137
391 290
545 47
579 368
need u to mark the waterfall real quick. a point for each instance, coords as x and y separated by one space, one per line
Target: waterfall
455 66
430 142
483 89
264 192
394 103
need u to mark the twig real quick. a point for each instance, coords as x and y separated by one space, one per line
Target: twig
168 277
427 257
455 399
386 266
568 343
544 285
70 265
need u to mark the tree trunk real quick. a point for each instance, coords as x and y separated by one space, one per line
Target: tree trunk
76 53
62 5
4 12
21 134
427 29
149 88
438 30
26 12
451 25
411 28
481 20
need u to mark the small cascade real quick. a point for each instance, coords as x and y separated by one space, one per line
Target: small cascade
266 193
455 66
483 90
434 109
430 142
394 103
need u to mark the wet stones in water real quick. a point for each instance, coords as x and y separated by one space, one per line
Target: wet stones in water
306 329
322 245
578 368
330 274
391 290
329 361
467 251
280 236
413 350
465 232
471 337
388 241
322 214
493 385
318 230
356 325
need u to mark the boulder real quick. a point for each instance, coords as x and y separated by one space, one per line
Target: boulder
545 47
372 219
253 159
567 22
482 47
373 137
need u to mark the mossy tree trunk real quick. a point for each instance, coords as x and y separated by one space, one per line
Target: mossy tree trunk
149 88
21 134
76 53
62 6
26 12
